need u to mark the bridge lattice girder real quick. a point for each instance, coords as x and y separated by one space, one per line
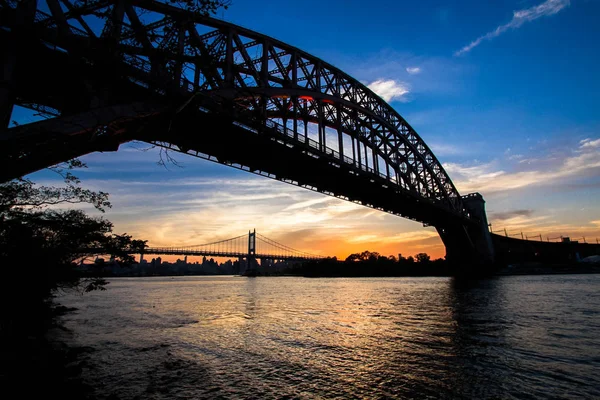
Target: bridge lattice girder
170 52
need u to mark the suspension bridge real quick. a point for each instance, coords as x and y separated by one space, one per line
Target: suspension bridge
250 246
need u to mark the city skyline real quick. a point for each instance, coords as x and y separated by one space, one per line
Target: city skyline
504 95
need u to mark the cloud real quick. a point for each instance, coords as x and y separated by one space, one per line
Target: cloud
307 203
505 215
396 238
206 202
589 143
437 74
549 7
413 70
445 149
518 157
389 89
548 229
582 162
522 223
191 211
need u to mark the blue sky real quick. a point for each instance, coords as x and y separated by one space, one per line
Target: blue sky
506 93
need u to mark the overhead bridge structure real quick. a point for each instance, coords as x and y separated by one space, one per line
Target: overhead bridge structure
109 72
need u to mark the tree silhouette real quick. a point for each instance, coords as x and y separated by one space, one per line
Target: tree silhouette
422 258
40 245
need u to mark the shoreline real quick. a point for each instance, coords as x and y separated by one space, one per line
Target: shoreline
506 271
375 269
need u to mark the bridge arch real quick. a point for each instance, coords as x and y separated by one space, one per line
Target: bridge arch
168 74
275 76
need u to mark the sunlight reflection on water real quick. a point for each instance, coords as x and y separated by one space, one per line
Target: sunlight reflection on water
235 337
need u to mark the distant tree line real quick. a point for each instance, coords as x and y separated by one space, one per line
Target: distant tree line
373 264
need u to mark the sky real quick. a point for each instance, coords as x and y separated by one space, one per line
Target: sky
505 93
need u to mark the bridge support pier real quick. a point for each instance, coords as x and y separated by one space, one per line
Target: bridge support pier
469 245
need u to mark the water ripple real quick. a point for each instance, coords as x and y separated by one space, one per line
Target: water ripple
289 338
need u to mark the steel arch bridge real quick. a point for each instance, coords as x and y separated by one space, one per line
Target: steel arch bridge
122 70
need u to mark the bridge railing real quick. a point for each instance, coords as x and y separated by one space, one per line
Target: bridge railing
539 238
284 130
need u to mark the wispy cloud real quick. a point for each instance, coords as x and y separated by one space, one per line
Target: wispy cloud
389 89
435 74
205 202
506 215
584 161
590 144
548 7
446 149
523 223
201 210
397 238
547 226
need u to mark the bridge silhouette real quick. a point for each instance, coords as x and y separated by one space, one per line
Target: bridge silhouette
250 246
115 71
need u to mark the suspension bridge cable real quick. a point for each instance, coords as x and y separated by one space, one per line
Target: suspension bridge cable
279 245
218 242
284 247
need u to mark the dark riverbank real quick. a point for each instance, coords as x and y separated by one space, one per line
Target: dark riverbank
364 269
436 268
43 363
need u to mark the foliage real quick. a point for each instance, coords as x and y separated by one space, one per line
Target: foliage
39 245
422 258
369 263
367 256
34 234
364 256
22 194
202 7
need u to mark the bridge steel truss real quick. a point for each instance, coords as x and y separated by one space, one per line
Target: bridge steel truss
122 70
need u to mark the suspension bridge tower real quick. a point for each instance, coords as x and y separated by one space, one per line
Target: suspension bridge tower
251 263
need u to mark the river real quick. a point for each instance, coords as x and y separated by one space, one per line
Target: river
234 337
